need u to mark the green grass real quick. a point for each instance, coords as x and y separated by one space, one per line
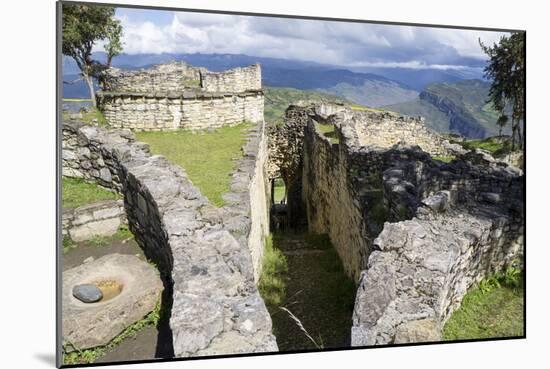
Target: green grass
366 108
329 131
279 190
90 355
77 192
277 100
443 158
67 244
272 284
493 308
491 144
303 273
123 233
76 100
92 116
207 157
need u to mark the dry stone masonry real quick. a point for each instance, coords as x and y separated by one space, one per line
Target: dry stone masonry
413 232
102 218
177 95
202 251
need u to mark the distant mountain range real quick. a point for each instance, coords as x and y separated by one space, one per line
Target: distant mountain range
459 107
362 88
446 98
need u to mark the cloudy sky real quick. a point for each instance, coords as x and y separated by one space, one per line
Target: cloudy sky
337 43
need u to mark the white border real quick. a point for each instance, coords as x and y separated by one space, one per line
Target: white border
27 180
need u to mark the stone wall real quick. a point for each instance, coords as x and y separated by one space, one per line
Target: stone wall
331 201
384 129
177 77
102 218
216 307
188 110
418 232
234 80
423 267
179 96
171 77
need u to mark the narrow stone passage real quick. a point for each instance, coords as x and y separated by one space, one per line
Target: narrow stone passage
318 294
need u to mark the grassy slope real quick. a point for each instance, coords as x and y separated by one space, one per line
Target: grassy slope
372 93
277 99
207 157
469 94
435 119
76 192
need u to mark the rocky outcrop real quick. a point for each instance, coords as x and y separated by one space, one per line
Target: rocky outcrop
461 121
216 307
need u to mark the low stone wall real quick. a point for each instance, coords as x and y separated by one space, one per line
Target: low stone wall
234 80
216 306
101 218
190 110
246 213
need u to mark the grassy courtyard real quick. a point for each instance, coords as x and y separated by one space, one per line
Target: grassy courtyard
208 157
77 192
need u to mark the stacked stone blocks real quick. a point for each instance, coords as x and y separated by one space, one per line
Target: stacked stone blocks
179 96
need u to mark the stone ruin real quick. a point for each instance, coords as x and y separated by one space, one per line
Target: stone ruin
413 232
209 257
179 96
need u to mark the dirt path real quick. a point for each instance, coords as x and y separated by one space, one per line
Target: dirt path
318 294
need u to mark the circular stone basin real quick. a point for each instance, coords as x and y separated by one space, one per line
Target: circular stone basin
130 287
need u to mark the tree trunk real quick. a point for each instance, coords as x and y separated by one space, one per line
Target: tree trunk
520 135
272 192
514 134
90 83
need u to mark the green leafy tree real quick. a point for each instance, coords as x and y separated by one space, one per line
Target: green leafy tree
83 26
506 68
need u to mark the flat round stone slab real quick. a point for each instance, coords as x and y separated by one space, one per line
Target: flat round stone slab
88 325
87 293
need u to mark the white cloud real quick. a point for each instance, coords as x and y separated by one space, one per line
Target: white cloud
340 43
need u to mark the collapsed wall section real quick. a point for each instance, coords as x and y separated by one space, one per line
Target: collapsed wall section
216 308
385 129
